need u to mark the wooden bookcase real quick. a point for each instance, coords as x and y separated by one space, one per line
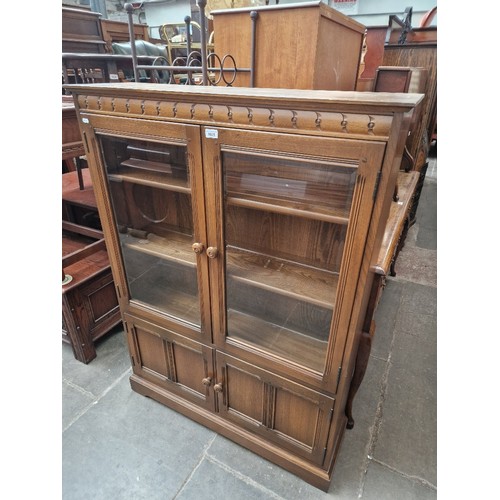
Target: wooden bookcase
242 227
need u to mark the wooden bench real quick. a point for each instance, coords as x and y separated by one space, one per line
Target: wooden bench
89 301
398 223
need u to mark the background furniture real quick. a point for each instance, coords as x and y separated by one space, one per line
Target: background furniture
231 318
400 219
81 31
404 79
300 46
89 303
118 31
400 44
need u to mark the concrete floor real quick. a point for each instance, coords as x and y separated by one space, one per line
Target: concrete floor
119 445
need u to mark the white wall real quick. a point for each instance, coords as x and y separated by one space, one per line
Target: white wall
377 12
165 11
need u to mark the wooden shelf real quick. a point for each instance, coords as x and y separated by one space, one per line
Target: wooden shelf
311 194
309 212
174 302
283 277
173 247
147 165
288 344
152 179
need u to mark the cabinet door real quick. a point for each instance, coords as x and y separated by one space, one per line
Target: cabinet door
176 363
287 236
289 414
153 178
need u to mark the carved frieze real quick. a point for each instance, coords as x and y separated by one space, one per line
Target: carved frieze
306 121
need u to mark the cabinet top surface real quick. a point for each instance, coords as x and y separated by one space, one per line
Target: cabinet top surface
382 102
322 8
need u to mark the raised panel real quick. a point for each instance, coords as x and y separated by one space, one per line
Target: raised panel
103 300
150 352
296 416
190 367
246 397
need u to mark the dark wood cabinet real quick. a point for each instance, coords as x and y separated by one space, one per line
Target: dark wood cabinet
242 226
89 303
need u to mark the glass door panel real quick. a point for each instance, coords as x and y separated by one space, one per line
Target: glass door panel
150 188
285 226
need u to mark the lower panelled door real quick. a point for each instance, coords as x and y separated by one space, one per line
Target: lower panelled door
284 412
178 364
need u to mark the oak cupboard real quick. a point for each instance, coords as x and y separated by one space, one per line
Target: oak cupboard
307 45
242 226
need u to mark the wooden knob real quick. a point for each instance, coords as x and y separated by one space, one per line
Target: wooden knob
197 247
218 387
212 252
206 381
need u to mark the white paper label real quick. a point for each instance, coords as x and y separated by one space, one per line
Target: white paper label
85 120
211 133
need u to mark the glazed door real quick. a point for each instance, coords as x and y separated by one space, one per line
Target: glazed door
154 176
286 241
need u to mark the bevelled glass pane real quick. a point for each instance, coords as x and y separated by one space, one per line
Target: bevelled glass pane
150 191
285 226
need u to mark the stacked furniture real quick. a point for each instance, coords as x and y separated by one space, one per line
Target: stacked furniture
87 48
401 45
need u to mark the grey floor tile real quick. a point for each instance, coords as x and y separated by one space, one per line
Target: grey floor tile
419 298
419 324
111 361
407 437
418 265
212 481
75 401
385 318
127 446
367 398
260 471
427 238
385 484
